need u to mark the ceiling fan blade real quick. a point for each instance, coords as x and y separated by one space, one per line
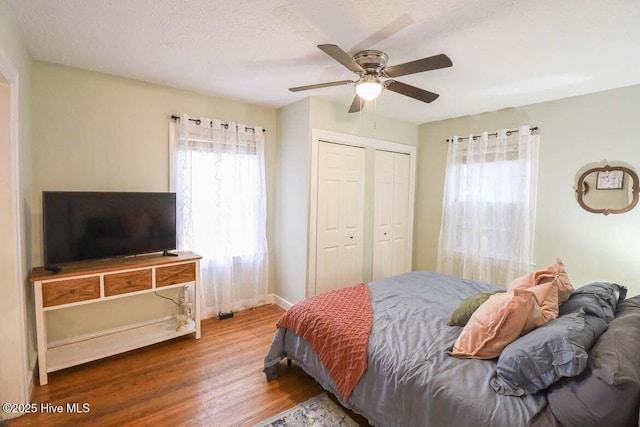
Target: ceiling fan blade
411 91
341 56
319 85
418 66
357 104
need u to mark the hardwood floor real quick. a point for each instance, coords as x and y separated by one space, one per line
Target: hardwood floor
214 381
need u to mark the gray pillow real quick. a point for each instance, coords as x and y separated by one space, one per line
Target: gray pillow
587 401
554 350
608 391
599 299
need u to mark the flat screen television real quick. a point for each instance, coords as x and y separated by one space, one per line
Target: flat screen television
93 225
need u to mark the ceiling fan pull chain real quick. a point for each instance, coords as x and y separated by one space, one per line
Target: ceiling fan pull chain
360 117
375 113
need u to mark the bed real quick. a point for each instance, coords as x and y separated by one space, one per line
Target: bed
412 380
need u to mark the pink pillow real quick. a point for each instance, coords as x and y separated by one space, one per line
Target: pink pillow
547 305
498 321
546 275
506 316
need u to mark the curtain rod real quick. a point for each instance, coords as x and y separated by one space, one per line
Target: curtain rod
509 132
226 125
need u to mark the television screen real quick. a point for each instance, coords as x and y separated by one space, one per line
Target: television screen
90 225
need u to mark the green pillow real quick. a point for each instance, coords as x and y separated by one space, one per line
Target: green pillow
467 307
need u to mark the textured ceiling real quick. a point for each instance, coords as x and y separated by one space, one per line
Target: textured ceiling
504 53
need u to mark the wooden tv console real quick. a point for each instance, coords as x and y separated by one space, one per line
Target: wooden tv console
89 282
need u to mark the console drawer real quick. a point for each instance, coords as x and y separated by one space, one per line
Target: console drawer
122 283
172 275
72 290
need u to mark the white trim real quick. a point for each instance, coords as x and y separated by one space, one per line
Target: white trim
268 299
319 135
280 302
243 304
277 300
359 141
10 73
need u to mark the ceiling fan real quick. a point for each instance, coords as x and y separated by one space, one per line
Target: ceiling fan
373 74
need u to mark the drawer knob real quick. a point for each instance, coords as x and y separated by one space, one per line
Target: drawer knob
72 291
128 282
175 275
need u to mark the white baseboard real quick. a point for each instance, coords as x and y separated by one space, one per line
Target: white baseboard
279 301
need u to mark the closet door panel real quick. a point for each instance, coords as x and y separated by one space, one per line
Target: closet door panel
340 213
401 167
353 208
391 214
382 215
329 257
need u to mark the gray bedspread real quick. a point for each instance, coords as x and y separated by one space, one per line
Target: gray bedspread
410 379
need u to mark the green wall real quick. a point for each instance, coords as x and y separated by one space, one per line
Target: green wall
295 124
97 132
574 132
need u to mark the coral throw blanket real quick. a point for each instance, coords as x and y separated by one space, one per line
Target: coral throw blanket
337 324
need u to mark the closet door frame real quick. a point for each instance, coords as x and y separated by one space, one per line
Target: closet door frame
321 135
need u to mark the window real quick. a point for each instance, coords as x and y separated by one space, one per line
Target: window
224 197
218 176
489 207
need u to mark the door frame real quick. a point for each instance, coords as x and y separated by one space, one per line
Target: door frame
10 74
321 135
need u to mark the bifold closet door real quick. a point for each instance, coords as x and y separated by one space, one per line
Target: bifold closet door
391 254
340 216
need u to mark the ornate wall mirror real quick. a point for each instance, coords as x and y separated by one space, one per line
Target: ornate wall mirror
608 190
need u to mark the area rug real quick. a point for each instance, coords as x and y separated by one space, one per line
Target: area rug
319 411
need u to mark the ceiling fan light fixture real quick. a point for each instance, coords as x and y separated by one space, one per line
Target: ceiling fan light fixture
373 74
368 87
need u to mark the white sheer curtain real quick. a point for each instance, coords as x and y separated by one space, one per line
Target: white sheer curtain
219 180
489 205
